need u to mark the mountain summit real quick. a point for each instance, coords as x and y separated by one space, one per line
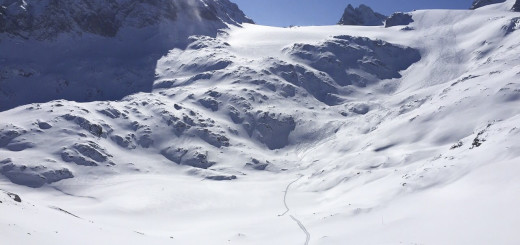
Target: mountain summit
361 16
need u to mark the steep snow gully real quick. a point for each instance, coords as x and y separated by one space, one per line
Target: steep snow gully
416 121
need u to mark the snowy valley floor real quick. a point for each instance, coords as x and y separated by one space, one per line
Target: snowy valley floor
424 152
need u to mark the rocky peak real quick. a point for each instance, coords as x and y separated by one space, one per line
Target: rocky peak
361 16
481 3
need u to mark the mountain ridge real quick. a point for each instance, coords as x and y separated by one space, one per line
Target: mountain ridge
48 18
114 45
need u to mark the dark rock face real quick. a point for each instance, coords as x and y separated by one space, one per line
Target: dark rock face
361 16
399 19
48 18
516 7
481 3
274 130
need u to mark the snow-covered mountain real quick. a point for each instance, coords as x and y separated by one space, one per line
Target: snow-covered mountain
96 50
46 19
263 135
481 3
361 16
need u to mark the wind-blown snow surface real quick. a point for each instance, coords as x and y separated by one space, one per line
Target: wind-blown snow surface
420 149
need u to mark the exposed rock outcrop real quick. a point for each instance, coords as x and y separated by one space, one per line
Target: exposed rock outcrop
33 175
192 157
516 7
355 60
86 154
399 19
361 16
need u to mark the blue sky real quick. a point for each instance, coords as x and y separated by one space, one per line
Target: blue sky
328 12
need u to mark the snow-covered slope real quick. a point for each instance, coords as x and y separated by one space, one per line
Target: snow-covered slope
481 3
322 135
96 50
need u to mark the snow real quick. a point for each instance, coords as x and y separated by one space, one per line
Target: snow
114 50
232 146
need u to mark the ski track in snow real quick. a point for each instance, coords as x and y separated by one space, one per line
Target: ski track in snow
300 224
285 196
307 234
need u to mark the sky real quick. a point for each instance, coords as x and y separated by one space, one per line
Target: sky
329 12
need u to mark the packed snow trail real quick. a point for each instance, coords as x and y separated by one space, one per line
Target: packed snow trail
285 196
307 234
300 224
